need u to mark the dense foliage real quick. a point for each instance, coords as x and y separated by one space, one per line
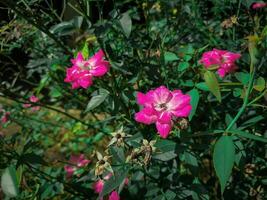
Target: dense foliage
129 99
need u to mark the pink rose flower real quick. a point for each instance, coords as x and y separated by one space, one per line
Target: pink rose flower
162 106
222 60
114 196
76 161
32 99
5 117
257 5
82 71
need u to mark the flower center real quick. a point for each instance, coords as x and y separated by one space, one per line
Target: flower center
161 107
84 65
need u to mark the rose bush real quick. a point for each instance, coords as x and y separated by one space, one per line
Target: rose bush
133 99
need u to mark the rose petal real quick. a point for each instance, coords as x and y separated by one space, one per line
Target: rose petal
163 129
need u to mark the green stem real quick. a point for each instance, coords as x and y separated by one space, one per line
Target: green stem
242 109
257 98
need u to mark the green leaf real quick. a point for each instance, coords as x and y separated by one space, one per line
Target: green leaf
213 84
97 99
166 145
248 135
55 92
183 66
169 56
67 27
228 120
252 49
252 121
260 84
85 51
240 152
117 155
9 182
223 159
242 77
194 102
166 156
126 24
202 86
190 159
114 181
169 195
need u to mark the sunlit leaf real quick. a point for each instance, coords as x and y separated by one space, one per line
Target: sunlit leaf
213 84
9 182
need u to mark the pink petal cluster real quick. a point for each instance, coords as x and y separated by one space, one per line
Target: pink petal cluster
5 117
32 99
99 185
114 196
82 71
221 59
76 161
257 5
162 106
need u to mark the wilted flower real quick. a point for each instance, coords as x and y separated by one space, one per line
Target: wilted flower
257 5
102 164
82 71
76 161
228 23
5 117
32 99
118 137
162 106
114 196
222 60
145 151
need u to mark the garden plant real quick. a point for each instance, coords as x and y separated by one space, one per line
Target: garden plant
129 99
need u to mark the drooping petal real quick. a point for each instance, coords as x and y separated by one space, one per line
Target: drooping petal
163 129
146 116
114 196
165 117
85 82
